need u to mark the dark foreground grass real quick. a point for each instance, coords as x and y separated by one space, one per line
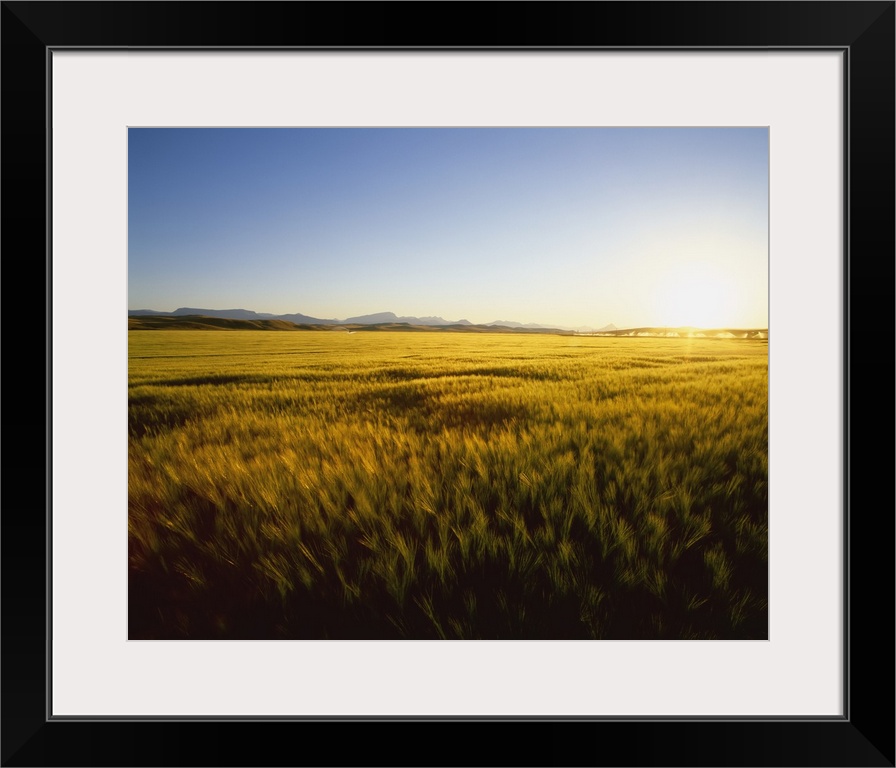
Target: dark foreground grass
446 486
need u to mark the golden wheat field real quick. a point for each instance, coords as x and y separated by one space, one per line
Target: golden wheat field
399 485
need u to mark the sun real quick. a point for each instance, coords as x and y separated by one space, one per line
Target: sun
696 294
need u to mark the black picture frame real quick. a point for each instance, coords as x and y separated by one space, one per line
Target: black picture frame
864 31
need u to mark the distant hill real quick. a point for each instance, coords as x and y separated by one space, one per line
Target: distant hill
233 314
202 323
391 317
541 326
297 317
221 319
514 324
205 323
236 314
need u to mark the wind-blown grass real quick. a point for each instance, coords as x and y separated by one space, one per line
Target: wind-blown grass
446 486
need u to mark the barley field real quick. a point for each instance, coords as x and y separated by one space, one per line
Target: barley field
398 485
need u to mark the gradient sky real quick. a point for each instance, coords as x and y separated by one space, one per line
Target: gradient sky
565 226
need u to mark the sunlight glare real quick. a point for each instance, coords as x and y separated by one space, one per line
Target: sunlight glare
697 294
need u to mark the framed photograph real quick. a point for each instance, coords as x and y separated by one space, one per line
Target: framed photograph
342 473
124 120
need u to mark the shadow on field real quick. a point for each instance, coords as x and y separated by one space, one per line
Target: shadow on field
207 593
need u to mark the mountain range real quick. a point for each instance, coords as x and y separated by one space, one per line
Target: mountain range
374 319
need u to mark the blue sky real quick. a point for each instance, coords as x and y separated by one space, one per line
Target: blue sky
566 226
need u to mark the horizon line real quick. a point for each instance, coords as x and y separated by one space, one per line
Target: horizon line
347 321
